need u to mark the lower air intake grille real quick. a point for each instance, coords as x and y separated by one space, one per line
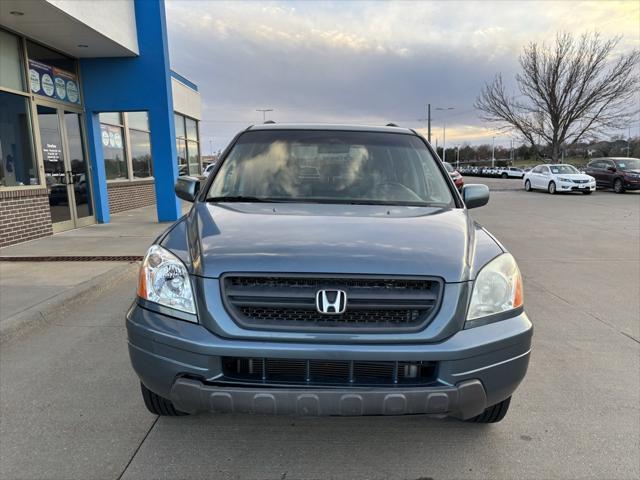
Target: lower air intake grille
326 372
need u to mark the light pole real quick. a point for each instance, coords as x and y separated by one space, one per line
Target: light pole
444 130
429 122
458 156
444 142
493 151
264 111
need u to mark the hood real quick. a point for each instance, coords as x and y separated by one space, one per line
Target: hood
312 238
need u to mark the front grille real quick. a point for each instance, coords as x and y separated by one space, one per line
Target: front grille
326 372
581 181
276 302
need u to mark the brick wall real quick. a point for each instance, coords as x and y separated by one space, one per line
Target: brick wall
127 195
24 215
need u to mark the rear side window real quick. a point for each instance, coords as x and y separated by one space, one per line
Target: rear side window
332 167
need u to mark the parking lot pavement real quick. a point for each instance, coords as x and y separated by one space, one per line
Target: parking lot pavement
71 407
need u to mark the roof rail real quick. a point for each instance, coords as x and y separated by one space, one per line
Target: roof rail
391 125
269 122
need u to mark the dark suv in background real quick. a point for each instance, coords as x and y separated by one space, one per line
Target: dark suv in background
618 173
329 270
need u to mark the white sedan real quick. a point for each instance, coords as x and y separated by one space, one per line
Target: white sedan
558 178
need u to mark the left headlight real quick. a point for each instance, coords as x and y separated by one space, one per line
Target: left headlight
164 280
568 180
497 288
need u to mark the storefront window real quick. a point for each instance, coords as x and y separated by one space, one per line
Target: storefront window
11 69
192 129
52 74
140 153
17 158
187 146
194 157
181 148
115 162
138 120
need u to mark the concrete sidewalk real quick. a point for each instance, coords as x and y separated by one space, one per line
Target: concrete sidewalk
29 289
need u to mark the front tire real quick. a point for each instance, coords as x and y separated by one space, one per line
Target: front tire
618 187
552 188
493 414
159 405
527 186
504 175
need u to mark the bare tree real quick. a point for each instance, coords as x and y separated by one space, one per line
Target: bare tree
568 91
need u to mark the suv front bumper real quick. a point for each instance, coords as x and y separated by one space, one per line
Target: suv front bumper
181 361
465 400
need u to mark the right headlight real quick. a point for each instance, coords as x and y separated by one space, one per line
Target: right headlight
164 280
497 288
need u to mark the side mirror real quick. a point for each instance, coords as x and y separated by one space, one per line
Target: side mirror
475 195
187 188
611 169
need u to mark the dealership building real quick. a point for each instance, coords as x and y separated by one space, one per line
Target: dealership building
93 121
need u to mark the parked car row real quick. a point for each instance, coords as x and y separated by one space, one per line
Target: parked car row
503 172
620 174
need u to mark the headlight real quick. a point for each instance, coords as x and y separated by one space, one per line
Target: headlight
164 280
497 288
565 180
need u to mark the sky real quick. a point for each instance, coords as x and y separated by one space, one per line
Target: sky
368 62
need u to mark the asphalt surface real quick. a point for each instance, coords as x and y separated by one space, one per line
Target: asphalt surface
71 408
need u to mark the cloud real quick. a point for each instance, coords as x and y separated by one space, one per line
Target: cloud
357 62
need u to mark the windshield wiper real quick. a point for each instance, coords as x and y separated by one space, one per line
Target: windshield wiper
241 198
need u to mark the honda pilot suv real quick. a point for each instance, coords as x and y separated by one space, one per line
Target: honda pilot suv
329 270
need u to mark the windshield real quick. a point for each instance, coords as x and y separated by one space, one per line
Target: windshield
563 169
628 164
331 167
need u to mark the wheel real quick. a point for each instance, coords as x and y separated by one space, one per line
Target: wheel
493 414
587 192
159 405
504 175
527 186
618 187
552 188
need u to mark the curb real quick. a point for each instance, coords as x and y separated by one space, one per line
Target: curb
37 314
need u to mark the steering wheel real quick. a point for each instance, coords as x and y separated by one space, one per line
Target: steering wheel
405 193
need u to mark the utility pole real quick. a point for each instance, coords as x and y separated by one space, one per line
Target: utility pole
264 111
493 151
629 143
211 146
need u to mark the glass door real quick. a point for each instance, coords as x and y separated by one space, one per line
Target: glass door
78 166
65 167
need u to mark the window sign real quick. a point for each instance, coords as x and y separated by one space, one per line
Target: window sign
53 82
51 152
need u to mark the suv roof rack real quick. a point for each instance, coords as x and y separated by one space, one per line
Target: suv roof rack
269 122
391 125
